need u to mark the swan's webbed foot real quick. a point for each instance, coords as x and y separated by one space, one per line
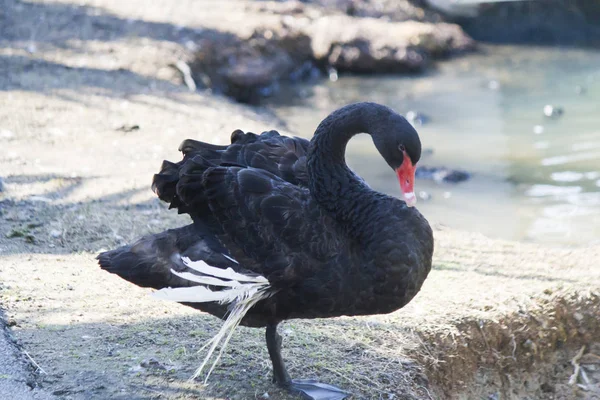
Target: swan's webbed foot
313 390
308 388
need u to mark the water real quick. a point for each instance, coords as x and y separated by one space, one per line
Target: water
534 178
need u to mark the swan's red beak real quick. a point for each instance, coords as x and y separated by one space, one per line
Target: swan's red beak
406 177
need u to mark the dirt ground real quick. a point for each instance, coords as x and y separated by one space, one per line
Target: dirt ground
90 106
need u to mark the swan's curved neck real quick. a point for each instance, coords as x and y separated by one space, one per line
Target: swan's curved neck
335 187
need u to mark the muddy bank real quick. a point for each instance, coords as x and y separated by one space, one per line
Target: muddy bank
293 41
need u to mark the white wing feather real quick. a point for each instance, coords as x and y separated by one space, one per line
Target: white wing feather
206 280
228 273
242 294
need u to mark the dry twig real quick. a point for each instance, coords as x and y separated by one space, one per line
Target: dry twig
576 366
35 364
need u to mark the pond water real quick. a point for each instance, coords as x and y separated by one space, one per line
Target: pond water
534 178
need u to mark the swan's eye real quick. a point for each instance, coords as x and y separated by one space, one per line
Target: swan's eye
401 147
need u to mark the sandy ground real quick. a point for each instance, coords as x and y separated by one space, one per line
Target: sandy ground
89 107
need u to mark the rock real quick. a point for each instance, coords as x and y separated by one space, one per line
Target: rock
538 129
417 118
153 364
372 45
493 85
1 185
551 111
441 174
243 69
128 128
424 196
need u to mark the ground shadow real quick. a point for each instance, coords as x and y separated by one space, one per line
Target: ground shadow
62 25
35 27
44 76
156 357
47 223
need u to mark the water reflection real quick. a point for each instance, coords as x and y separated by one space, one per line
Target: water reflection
534 177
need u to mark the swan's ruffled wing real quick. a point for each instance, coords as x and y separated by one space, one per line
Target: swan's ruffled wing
270 226
280 155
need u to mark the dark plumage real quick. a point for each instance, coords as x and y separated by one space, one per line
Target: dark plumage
292 211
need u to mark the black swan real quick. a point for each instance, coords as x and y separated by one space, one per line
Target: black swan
282 229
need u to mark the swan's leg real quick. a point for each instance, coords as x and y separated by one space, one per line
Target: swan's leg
309 389
280 375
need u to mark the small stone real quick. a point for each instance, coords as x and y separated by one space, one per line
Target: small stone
265 395
493 85
55 233
547 388
447 195
128 128
153 364
333 74
538 129
424 196
551 111
136 368
417 118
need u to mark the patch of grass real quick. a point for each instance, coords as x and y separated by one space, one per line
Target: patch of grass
21 233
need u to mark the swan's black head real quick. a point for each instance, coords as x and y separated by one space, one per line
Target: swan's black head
400 146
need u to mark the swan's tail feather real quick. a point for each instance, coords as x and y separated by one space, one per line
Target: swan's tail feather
242 293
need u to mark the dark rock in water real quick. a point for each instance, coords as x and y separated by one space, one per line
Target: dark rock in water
441 174
249 69
1 185
417 118
551 111
426 152
550 22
